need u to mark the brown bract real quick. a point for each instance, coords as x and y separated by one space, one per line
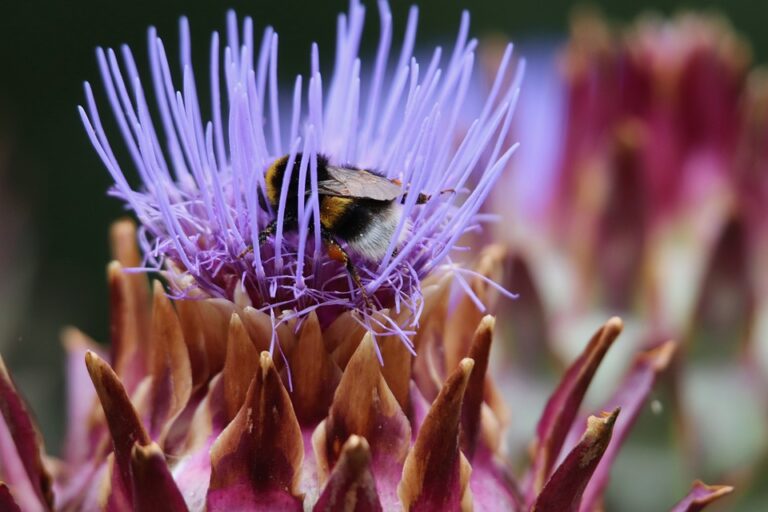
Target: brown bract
351 485
563 491
257 459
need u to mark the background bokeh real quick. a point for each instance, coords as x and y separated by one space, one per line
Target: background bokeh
54 213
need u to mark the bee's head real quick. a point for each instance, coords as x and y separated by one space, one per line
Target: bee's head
277 172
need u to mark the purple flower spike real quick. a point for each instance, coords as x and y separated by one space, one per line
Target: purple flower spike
202 199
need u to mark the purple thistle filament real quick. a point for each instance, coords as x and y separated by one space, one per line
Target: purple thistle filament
203 176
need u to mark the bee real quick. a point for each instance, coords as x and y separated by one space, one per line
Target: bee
358 208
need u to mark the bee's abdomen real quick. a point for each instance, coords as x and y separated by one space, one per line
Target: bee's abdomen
368 226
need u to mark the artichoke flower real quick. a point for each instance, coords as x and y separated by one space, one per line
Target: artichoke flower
189 410
254 376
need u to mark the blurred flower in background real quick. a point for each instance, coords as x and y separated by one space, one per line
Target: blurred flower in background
17 260
15 263
651 205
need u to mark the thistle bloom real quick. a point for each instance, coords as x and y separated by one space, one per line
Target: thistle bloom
202 200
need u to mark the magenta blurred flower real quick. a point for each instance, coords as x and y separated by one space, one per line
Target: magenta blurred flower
655 122
657 213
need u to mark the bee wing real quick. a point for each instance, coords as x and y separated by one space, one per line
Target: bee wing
358 183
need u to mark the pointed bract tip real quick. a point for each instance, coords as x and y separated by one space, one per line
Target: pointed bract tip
265 361
351 485
91 361
488 322
435 473
114 267
152 482
614 325
466 366
719 490
605 418
357 450
700 495
143 453
660 357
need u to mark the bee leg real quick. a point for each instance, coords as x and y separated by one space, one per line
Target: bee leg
423 198
337 253
265 233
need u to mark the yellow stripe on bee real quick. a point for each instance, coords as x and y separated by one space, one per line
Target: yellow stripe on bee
273 194
332 209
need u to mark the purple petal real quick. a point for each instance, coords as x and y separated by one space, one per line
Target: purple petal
419 408
118 498
723 326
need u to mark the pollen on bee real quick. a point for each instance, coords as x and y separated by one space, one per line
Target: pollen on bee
336 253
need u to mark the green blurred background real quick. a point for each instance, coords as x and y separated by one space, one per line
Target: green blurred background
55 213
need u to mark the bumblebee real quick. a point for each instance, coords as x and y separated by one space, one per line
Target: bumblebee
358 207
